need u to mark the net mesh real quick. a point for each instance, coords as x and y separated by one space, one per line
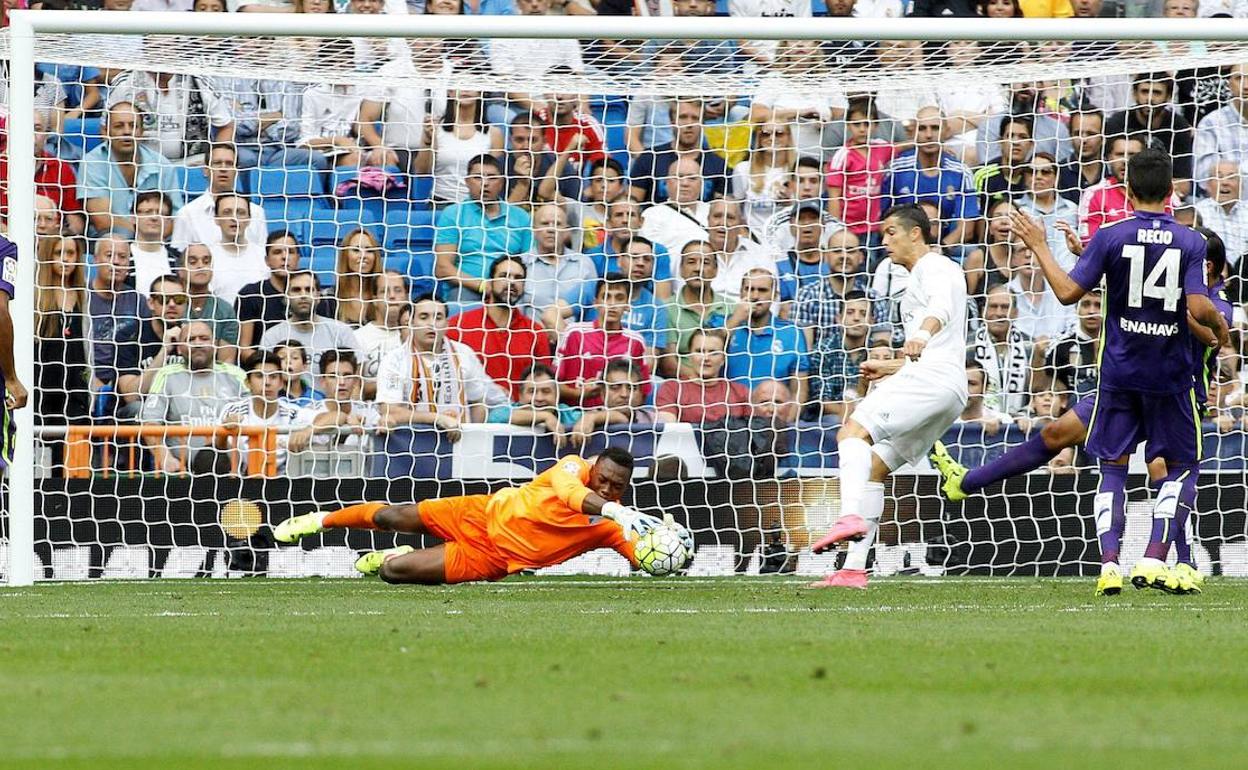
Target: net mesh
169 448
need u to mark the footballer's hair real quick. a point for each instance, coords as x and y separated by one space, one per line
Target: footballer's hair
1215 250
618 455
1150 175
911 215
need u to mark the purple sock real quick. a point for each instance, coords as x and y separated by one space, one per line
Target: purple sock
1111 510
1178 491
1183 524
1027 456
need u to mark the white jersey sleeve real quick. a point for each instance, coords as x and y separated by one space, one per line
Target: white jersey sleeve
394 377
937 289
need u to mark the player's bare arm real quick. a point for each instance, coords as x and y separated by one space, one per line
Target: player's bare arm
1065 288
1201 309
918 342
14 390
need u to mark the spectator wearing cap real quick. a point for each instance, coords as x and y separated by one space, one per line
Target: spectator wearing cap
804 263
766 346
650 170
122 166
472 234
808 187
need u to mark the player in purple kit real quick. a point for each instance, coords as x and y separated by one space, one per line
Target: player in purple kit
1153 271
1072 428
14 391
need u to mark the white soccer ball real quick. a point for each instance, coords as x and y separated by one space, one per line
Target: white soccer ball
660 551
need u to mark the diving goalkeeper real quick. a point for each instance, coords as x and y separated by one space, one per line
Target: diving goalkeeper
566 511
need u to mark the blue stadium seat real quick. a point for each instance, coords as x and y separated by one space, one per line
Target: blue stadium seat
83 133
324 262
409 229
420 191
416 265
328 226
191 181
286 182
1224 451
293 214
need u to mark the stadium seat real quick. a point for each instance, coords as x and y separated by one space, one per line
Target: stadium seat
191 181
420 190
408 229
324 262
328 226
83 133
286 182
416 265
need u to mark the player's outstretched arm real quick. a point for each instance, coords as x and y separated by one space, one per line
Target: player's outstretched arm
1066 289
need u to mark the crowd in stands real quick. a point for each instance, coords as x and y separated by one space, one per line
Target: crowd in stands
586 260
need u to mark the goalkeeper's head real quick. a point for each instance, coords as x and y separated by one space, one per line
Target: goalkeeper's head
610 475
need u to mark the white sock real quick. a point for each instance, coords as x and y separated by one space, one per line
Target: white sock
855 461
872 509
1110 565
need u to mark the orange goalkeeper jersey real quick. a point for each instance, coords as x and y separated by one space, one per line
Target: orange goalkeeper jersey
541 523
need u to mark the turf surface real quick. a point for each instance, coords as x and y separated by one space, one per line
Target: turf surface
586 673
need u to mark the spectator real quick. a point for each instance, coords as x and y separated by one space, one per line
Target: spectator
1044 203
1043 407
384 330
1106 201
651 169
623 402
857 170
433 380
529 164
570 129
1071 358
238 261
472 234
62 368
181 113
897 58
1048 131
559 283
315 332
260 6
586 347
461 136
1003 352
605 184
115 319
966 106
532 58
648 126
819 303
54 178
538 405
943 8
1223 134
263 303
396 121
268 118
1033 9
777 102
701 394
764 52
696 305
505 339
804 263
645 315
1040 314
327 120
149 254
121 167
838 352
1005 178
1226 393
1153 121
196 222
190 392
701 57
683 216
1224 211
767 347
773 403
358 266
808 187
977 411
764 182
48 219
993 268
342 406
197 275
736 251
300 387
1086 166
622 226
263 407
928 173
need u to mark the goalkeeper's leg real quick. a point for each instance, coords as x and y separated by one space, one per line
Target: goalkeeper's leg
377 516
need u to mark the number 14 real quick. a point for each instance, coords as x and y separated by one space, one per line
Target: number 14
1162 282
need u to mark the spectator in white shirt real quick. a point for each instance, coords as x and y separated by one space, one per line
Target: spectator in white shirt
329 116
385 331
461 135
683 217
1224 212
736 252
263 408
764 181
196 222
238 260
529 57
342 406
149 252
763 52
433 380
775 100
406 112
181 113
1041 315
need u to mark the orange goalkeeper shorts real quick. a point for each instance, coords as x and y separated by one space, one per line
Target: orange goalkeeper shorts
462 523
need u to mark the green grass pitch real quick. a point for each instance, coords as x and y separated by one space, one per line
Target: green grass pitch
588 673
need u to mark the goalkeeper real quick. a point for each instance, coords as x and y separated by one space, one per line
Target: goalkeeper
568 510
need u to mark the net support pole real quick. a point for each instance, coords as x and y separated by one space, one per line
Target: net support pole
22 231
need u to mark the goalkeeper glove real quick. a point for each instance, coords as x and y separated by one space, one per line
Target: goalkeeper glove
634 523
686 537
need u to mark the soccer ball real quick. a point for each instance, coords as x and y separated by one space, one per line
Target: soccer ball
660 551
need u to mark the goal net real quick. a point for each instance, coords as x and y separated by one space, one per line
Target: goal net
274 271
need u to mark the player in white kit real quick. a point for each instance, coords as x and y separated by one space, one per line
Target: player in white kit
902 416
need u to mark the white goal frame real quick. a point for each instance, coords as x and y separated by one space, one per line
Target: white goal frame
24 25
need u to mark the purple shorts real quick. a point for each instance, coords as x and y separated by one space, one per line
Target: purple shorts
1169 423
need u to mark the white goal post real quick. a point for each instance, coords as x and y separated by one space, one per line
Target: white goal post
1226 39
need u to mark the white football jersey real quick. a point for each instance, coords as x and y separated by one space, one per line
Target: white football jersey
937 289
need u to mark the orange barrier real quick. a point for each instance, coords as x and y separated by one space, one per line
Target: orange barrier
261 445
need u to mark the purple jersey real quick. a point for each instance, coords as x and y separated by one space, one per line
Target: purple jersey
8 275
1150 264
8 265
1207 357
